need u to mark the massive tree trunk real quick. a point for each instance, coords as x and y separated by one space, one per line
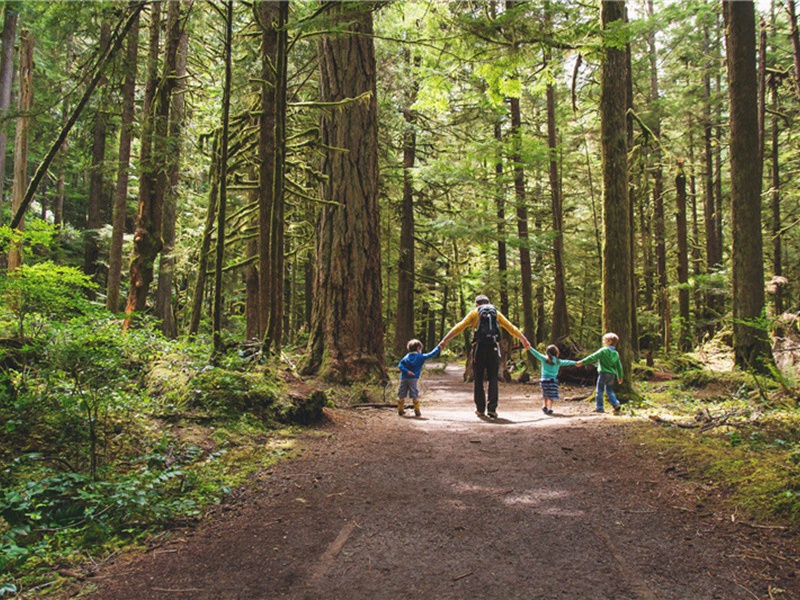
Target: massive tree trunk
123 168
94 208
164 309
528 323
404 324
346 336
274 335
685 339
223 180
8 37
616 246
24 103
750 344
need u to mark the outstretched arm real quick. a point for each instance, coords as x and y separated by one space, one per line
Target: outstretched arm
510 328
467 321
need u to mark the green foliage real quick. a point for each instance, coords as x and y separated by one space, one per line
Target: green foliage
42 292
230 393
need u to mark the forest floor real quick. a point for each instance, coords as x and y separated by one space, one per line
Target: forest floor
452 506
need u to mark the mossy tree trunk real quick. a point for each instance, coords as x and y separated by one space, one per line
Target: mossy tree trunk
346 336
616 213
750 344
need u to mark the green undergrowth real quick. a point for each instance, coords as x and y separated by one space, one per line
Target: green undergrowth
732 431
107 440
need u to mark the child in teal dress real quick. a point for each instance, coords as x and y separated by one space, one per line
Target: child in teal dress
551 363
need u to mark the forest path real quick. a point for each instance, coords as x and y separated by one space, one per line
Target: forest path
452 506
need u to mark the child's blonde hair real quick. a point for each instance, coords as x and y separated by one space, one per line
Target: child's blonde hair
414 346
610 339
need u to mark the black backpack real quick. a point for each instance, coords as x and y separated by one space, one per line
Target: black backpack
487 332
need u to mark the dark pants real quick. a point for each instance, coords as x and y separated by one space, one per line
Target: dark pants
484 368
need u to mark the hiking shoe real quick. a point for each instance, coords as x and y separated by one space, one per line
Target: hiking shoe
549 411
492 415
417 412
544 409
598 410
479 413
617 408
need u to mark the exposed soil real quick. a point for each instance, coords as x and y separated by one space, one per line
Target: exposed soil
452 506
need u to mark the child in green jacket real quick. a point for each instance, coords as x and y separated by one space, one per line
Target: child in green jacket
551 363
609 369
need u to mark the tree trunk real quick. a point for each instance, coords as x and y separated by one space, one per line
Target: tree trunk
795 35
205 246
404 324
277 243
24 103
8 37
710 208
147 237
164 309
750 344
762 89
123 168
685 339
775 203
252 316
346 337
560 331
528 323
631 195
500 203
94 208
616 257
223 179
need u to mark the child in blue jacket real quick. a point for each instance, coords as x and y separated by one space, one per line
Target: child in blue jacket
410 369
551 363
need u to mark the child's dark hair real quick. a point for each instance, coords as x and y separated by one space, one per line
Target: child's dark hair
552 352
414 346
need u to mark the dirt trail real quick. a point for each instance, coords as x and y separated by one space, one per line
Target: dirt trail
450 506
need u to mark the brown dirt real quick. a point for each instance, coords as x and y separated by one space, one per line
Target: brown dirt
451 506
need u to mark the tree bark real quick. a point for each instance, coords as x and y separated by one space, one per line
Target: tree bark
616 256
267 13
560 331
500 203
685 338
528 323
631 195
795 35
94 208
277 242
750 344
346 337
775 203
710 207
164 309
223 179
404 324
8 37
123 168
24 103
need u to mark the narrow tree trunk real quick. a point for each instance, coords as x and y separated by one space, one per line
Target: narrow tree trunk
631 195
8 37
710 208
560 331
750 344
205 246
173 161
404 324
346 338
223 179
24 103
762 88
123 168
795 35
685 339
94 208
500 203
616 257
775 204
528 323
252 315
695 243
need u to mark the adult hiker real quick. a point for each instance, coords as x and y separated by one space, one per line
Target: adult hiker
485 321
